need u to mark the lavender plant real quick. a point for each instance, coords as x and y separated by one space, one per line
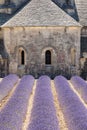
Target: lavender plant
43 116
75 113
12 115
7 84
81 86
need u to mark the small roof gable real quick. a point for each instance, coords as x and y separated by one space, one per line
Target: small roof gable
41 13
81 6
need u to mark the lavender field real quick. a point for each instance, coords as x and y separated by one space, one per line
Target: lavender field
43 104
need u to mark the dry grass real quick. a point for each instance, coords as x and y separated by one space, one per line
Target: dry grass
60 116
4 101
80 98
1 79
29 108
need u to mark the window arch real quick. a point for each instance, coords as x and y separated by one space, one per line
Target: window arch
21 58
84 31
48 57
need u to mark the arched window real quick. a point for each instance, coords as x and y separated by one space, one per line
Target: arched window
48 57
22 57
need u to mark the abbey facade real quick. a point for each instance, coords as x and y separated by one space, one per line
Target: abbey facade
43 37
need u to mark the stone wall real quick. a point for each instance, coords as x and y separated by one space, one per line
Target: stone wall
2 1
35 41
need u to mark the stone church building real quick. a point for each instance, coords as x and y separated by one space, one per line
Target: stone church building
43 37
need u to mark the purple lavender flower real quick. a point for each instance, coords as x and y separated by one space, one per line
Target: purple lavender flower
75 113
43 114
7 84
12 116
81 86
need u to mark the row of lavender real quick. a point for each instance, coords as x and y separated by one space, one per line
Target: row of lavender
12 115
74 112
7 84
43 115
81 86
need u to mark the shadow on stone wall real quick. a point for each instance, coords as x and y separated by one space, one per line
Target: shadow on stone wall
84 71
36 71
3 68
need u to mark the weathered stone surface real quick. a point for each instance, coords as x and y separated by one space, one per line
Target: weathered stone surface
36 41
82 11
41 13
40 26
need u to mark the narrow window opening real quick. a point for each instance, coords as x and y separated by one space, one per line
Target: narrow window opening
22 57
48 57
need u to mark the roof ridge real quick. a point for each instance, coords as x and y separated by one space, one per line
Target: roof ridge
42 13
